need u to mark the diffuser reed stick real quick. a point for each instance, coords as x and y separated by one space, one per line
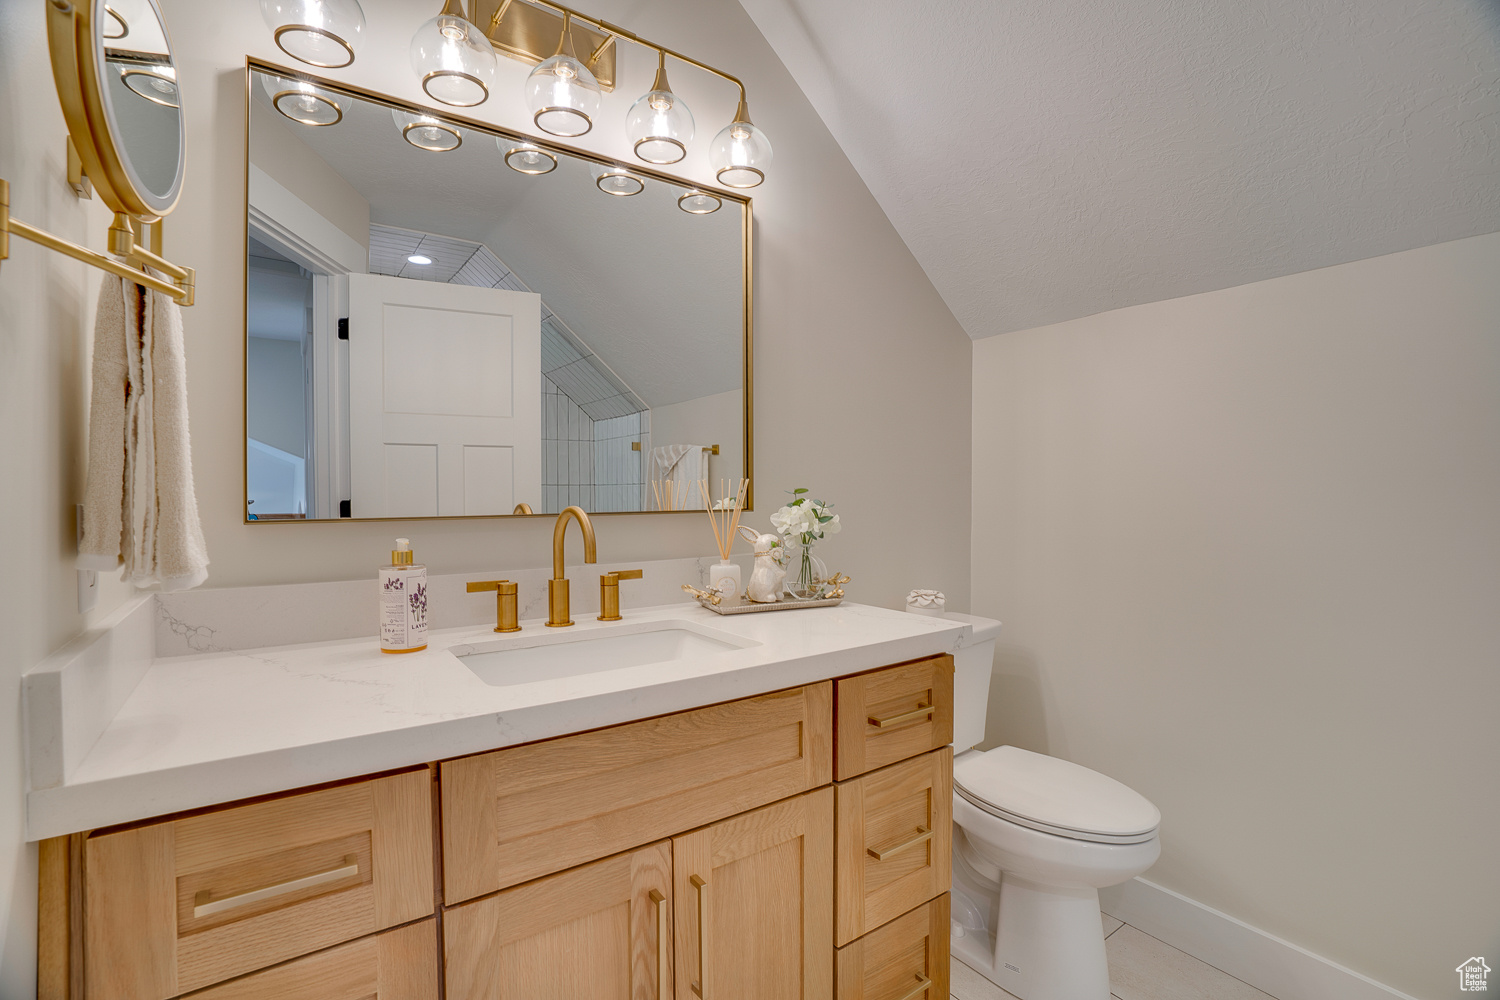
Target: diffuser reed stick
724 516
667 495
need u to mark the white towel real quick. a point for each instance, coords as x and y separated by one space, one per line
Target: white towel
685 465
139 501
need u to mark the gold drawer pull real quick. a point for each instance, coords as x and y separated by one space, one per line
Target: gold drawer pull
896 720
923 984
662 930
923 835
205 908
701 986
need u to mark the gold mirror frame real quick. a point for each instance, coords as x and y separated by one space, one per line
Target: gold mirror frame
77 68
747 228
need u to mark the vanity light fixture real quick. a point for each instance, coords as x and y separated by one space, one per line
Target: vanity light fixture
322 33
418 258
453 58
156 83
616 180
561 92
426 132
302 102
526 158
695 202
660 124
741 152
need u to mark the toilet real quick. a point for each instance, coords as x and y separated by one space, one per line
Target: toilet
1034 840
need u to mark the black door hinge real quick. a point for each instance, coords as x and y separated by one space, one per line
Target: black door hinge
344 328
344 510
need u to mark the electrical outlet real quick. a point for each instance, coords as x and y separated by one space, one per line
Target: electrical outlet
88 579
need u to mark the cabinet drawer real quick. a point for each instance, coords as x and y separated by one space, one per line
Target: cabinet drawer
906 959
179 905
401 964
523 812
601 930
894 841
892 714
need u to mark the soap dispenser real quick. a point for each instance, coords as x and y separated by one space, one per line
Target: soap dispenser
403 602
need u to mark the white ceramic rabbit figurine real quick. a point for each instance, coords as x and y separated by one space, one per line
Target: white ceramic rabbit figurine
765 579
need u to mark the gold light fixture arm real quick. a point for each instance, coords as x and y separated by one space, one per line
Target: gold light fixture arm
499 13
180 288
615 31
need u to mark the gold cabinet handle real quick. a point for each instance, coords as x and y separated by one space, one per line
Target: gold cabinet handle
701 986
922 837
663 989
923 985
896 720
206 906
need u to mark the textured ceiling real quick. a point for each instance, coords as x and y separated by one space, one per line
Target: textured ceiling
1049 160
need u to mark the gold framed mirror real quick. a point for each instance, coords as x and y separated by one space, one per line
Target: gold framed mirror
117 82
528 326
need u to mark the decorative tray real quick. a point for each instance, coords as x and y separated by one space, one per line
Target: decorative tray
750 607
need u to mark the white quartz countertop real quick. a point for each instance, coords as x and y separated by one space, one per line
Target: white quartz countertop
210 728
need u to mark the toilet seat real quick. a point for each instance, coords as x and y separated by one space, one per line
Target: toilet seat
1054 796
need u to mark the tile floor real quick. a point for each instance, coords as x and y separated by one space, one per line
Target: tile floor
1140 968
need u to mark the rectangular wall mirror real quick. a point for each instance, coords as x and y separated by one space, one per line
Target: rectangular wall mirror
445 320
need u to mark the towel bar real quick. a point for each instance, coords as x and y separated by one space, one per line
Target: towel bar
712 449
122 242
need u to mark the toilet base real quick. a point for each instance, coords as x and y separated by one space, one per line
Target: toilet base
1036 942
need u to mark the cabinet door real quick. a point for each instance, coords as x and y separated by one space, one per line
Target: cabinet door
182 904
398 965
602 931
755 904
516 814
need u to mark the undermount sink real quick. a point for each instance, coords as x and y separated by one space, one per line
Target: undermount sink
541 656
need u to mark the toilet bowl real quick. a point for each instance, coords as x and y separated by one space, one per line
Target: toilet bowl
1034 840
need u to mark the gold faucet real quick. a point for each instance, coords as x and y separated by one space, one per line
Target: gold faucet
558 614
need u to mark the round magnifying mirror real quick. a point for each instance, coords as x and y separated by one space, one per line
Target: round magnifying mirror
112 60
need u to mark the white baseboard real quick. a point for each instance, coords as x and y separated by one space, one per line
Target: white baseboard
1249 954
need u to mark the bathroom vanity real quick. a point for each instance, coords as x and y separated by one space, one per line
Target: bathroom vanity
514 817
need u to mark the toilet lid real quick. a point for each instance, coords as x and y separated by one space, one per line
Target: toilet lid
1054 795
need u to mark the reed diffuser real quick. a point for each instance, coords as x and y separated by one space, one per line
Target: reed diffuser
724 517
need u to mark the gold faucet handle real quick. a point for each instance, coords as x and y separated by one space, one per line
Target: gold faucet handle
609 592
507 613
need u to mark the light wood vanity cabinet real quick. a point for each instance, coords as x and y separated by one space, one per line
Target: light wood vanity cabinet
704 855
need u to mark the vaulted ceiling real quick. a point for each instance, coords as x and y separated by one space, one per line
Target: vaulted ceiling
1050 159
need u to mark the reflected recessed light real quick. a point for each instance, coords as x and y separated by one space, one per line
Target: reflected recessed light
699 203
417 258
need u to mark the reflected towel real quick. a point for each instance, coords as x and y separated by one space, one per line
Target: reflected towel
139 502
685 465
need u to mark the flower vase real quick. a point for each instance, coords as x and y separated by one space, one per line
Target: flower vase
805 572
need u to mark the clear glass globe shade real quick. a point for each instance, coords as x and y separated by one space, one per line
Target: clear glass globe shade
660 126
454 61
426 132
563 96
616 180
699 203
323 33
740 155
301 101
525 158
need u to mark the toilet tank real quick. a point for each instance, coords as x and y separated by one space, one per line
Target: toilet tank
971 680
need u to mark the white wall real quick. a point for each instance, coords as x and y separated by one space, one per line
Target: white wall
710 420
292 164
279 374
1246 546
46 305
845 322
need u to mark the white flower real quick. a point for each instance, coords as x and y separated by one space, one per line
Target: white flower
831 527
788 520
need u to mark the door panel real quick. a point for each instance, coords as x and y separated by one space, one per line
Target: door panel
452 371
602 931
754 904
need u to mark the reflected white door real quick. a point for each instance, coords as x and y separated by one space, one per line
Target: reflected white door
444 398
